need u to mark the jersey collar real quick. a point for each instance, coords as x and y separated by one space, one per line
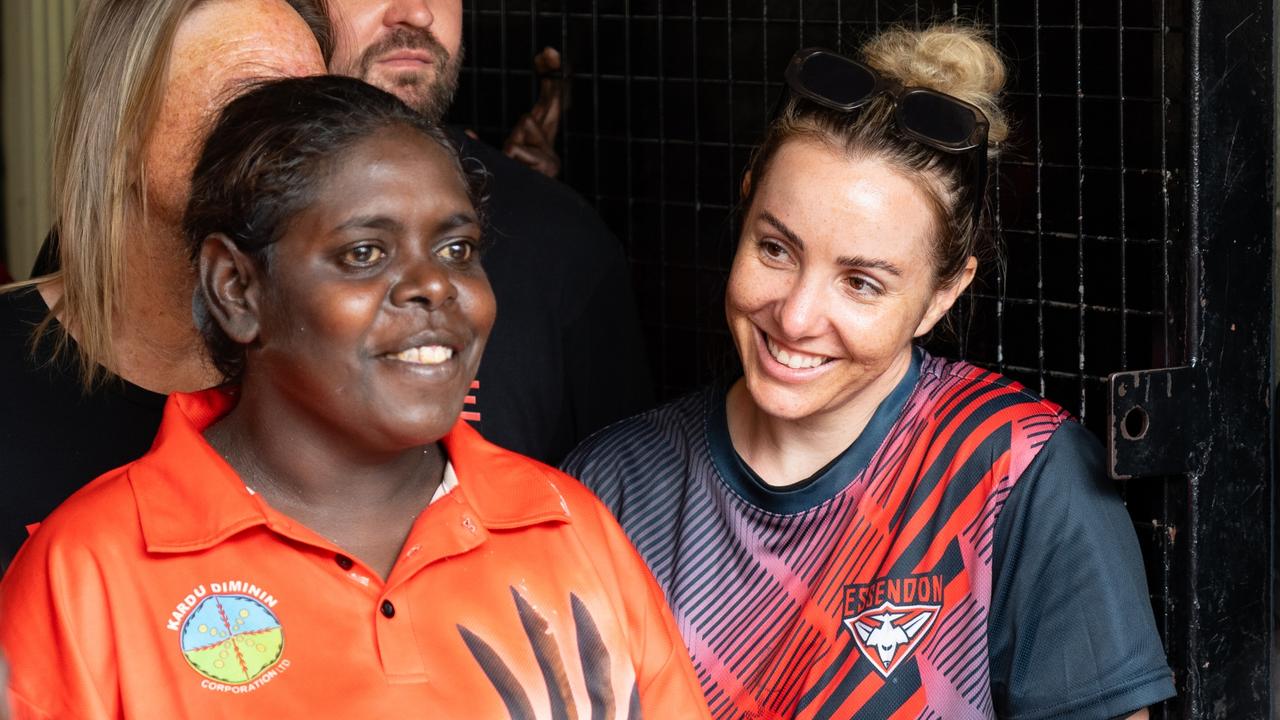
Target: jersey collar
822 485
190 499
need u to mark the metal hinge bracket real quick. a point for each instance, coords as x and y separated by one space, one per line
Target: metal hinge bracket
1155 418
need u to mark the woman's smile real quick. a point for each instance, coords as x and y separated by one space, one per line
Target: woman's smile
788 364
424 355
792 358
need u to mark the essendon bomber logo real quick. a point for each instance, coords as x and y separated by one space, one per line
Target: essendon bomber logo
891 617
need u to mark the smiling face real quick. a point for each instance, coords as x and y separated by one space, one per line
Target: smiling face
374 310
220 46
410 48
832 280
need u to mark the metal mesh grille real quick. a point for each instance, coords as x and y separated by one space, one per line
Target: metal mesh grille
668 99
666 106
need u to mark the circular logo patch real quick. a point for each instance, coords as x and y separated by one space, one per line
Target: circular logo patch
232 639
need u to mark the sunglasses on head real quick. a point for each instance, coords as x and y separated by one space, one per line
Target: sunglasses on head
926 116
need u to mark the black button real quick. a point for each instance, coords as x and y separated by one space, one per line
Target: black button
388 609
343 561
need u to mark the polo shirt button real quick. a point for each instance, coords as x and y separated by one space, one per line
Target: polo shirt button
388 610
343 561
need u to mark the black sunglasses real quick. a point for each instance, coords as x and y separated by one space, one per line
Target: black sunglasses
927 116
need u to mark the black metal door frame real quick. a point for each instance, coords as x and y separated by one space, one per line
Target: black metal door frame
1232 504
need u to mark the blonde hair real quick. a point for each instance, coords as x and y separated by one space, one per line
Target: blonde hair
112 93
956 59
950 58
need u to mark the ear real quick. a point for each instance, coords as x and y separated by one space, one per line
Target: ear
746 184
946 296
231 284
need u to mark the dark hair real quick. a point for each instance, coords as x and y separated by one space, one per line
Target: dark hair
315 13
265 160
950 58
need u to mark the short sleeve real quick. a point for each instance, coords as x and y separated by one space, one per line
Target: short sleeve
1071 631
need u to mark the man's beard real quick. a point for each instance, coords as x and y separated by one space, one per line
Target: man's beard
429 96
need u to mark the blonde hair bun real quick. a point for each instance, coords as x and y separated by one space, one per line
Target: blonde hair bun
951 58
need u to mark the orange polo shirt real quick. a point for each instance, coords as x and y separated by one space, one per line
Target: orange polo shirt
165 589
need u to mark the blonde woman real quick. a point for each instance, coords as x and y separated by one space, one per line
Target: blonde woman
88 352
854 528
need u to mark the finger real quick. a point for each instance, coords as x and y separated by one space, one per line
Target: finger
550 90
550 121
546 61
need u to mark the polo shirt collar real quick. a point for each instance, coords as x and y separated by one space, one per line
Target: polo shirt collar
190 499
505 489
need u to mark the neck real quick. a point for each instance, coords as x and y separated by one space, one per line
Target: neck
786 451
363 502
306 463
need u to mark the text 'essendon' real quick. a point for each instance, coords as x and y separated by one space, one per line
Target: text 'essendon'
914 590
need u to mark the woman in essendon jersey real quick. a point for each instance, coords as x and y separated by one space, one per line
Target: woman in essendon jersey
854 528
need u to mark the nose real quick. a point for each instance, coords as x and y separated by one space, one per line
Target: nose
415 13
424 282
803 311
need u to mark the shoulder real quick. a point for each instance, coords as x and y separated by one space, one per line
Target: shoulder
508 489
667 430
517 491
98 520
104 508
645 460
967 400
1065 552
958 384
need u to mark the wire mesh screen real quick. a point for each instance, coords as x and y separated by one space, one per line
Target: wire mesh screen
669 98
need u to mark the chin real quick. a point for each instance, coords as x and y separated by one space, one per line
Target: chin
416 430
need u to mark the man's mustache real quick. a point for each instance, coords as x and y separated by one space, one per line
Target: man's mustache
403 38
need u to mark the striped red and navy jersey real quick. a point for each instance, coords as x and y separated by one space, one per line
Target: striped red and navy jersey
965 557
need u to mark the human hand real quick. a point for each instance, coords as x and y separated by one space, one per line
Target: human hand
533 140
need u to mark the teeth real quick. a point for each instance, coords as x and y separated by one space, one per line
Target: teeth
795 361
425 355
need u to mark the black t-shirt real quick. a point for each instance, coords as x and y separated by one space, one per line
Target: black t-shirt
54 437
565 357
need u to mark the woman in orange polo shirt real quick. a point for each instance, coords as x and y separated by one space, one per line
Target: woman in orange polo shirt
328 539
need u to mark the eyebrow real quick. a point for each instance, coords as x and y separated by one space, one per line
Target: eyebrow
458 220
854 262
383 222
376 222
